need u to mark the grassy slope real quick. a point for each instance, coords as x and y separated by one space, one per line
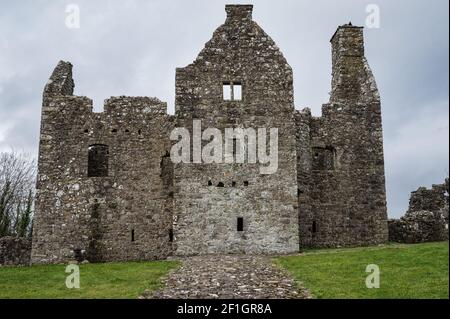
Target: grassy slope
112 280
407 271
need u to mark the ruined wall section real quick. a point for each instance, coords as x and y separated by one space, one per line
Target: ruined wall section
125 214
426 219
210 198
349 197
15 251
434 199
419 227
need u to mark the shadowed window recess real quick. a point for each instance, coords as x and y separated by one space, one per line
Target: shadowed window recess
98 158
240 224
324 158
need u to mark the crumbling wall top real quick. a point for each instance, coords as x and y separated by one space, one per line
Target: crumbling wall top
434 199
303 113
126 104
61 81
60 89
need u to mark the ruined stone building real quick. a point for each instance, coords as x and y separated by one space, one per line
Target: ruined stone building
109 191
426 219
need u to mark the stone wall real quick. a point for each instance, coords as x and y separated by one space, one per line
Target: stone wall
15 251
341 177
434 199
108 190
419 227
102 195
211 198
426 219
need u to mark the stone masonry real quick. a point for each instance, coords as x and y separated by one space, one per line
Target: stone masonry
228 277
341 192
15 251
104 191
108 190
426 219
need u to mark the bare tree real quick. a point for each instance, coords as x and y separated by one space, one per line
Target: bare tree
17 189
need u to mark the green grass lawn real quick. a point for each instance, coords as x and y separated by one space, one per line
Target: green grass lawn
111 280
406 271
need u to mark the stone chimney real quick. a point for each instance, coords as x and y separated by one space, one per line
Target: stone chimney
348 40
239 11
352 79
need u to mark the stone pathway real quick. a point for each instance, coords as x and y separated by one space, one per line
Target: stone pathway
228 277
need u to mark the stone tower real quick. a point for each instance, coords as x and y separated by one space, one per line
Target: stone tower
342 196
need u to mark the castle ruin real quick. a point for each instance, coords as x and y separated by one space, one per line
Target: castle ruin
108 190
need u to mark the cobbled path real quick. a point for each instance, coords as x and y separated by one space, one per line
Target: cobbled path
228 277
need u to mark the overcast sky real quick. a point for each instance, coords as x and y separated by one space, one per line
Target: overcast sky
133 47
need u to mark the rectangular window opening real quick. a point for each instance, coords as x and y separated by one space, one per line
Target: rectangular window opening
132 235
98 158
227 91
314 227
232 91
237 91
235 147
240 224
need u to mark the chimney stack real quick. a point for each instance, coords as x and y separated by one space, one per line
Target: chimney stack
348 40
348 64
239 11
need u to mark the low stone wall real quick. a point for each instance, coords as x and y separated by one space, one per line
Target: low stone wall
426 219
419 227
15 251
